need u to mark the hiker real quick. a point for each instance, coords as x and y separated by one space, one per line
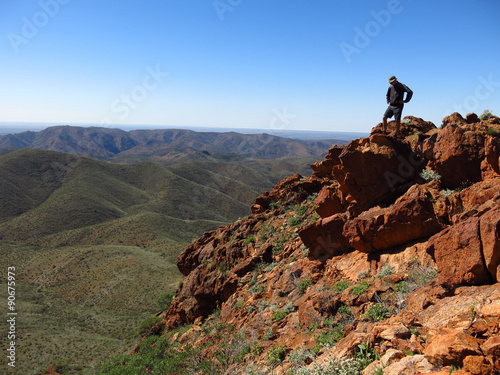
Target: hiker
395 94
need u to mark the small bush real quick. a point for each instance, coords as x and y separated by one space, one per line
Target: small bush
493 131
360 288
164 300
377 312
249 239
328 339
429 175
340 286
485 115
303 284
301 356
385 271
151 327
278 315
295 221
276 355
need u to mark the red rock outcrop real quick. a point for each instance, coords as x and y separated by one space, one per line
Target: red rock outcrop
411 217
363 255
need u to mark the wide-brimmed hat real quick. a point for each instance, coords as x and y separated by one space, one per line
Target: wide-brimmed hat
392 79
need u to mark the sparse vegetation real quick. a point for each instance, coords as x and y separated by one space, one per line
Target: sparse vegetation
493 131
304 284
377 312
340 286
485 116
360 288
429 175
329 338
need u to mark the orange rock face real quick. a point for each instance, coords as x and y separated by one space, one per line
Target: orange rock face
365 254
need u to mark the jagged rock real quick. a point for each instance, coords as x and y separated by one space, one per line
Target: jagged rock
471 118
410 218
277 294
323 169
450 349
324 238
348 346
293 187
454 119
409 125
490 166
376 170
490 240
458 153
458 254
329 201
426 297
393 332
263 201
491 347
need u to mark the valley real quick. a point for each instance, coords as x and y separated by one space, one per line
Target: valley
95 239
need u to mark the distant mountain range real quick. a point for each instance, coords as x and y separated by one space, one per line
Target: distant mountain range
164 144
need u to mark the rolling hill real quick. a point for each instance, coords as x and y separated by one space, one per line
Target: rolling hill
91 239
164 144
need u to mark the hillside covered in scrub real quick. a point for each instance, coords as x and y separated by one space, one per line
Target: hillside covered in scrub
386 260
96 241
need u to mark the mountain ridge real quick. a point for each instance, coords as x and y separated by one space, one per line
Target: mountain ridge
110 143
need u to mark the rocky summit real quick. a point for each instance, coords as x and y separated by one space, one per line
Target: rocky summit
385 260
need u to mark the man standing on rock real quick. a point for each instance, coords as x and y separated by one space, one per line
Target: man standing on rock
395 99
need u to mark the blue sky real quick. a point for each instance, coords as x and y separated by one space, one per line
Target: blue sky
268 64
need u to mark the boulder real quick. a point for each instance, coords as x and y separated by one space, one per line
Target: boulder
376 170
416 364
453 119
324 238
457 251
329 201
489 226
323 169
409 125
471 118
490 166
457 155
410 218
478 365
450 349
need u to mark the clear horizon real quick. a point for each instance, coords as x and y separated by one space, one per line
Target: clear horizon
285 65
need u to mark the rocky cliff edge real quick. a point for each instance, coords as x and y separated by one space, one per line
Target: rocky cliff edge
389 252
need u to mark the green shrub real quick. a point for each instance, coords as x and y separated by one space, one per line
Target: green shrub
276 355
345 311
377 312
303 284
295 221
249 239
485 115
340 286
329 338
278 315
493 131
151 326
360 288
164 300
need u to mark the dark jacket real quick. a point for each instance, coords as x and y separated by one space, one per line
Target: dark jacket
396 92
